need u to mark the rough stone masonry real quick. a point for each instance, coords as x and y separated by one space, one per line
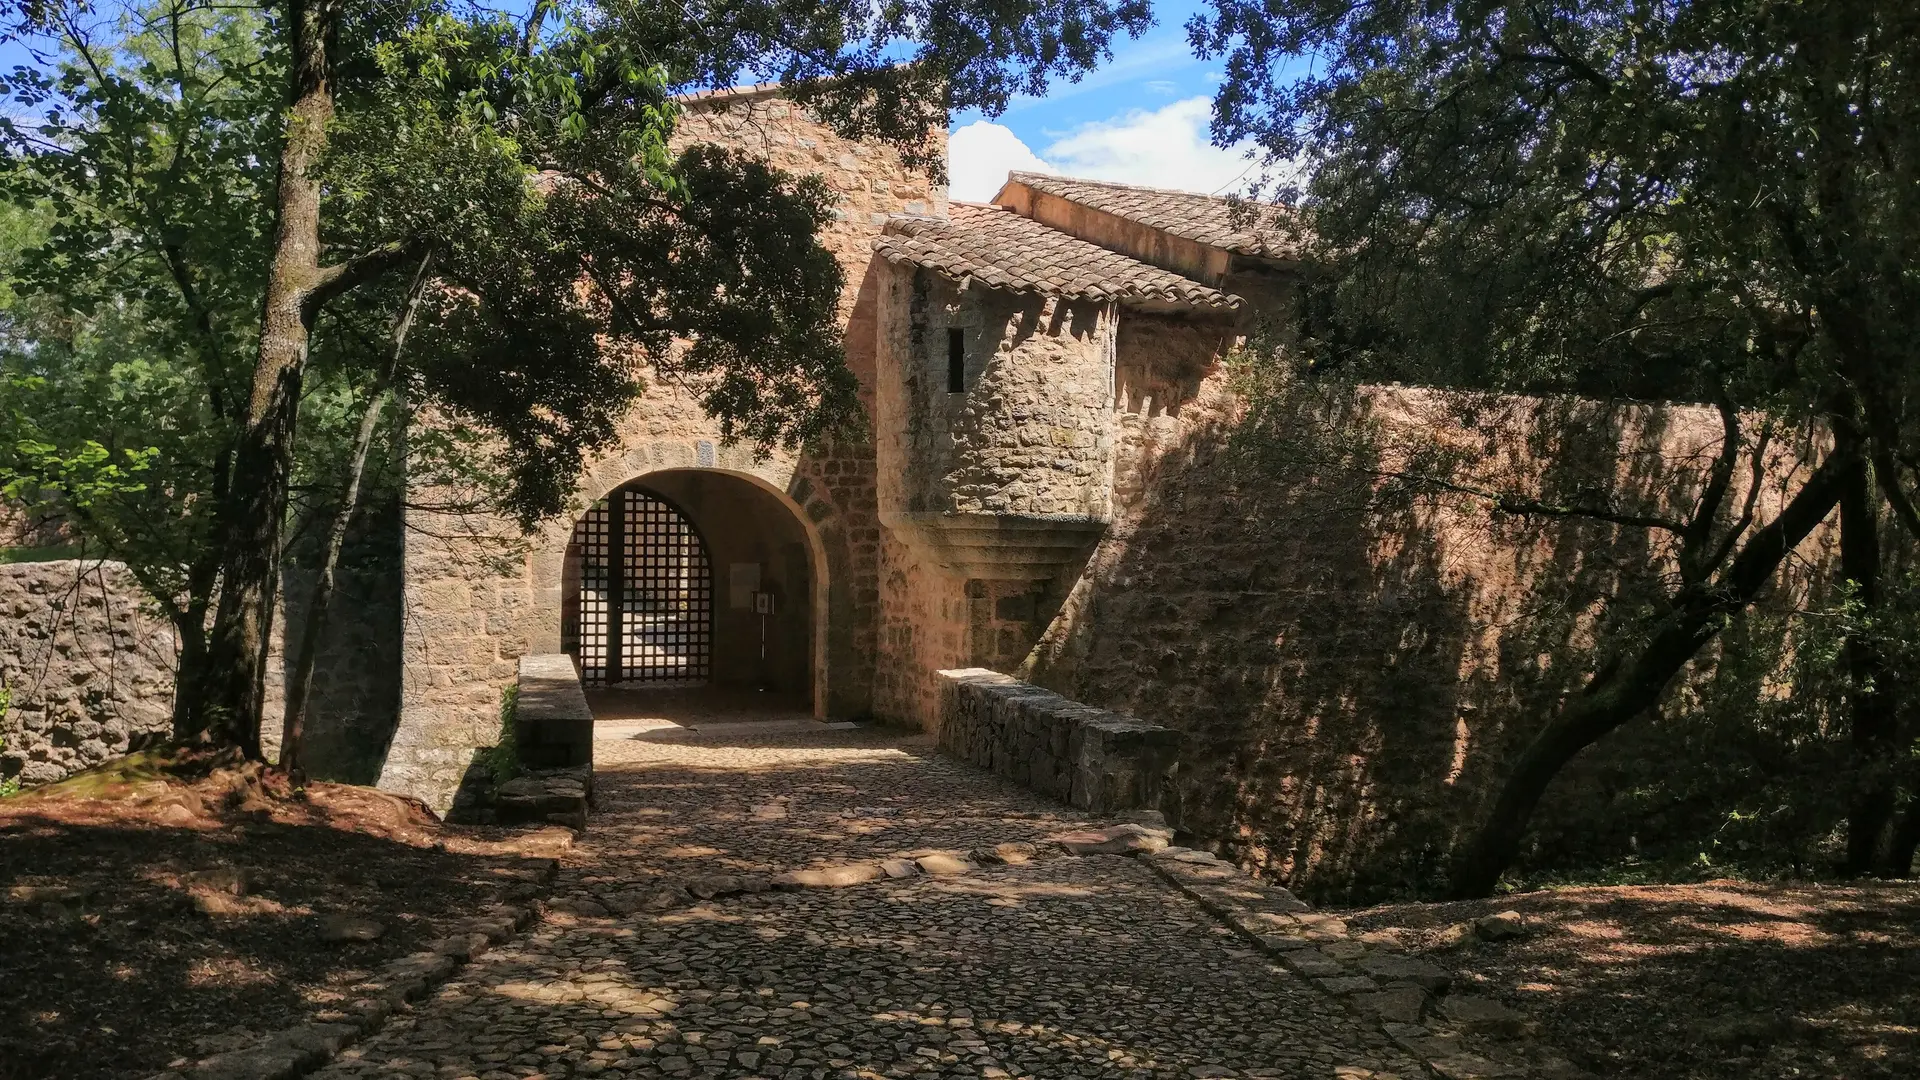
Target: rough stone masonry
88 669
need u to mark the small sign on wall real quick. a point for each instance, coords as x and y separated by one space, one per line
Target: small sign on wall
743 581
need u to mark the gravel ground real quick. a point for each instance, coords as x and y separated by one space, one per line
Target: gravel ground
1060 968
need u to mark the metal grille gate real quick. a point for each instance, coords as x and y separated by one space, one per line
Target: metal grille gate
644 609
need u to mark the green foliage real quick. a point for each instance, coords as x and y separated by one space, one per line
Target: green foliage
502 759
137 171
1648 200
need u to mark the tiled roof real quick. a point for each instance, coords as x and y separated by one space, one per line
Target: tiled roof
1205 219
1002 250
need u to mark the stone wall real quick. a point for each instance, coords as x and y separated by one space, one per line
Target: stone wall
923 629
354 702
90 671
1353 667
479 594
1083 756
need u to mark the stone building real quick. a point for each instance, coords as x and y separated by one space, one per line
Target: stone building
998 349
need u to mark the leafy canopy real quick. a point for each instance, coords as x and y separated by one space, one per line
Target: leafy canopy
1703 200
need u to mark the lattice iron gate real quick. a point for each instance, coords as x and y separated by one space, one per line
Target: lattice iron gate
643 609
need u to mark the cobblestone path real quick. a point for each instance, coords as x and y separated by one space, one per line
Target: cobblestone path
1064 967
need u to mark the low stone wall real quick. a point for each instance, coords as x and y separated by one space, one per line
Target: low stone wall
553 724
1086 757
89 669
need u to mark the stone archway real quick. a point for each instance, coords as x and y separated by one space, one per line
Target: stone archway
732 592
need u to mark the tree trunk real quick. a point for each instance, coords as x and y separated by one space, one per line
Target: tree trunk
189 679
1630 687
263 456
1868 702
1898 861
300 685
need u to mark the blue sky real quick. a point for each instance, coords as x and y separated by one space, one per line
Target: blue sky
1140 118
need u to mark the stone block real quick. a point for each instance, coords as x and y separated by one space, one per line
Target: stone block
942 865
552 721
1391 968
1312 965
831 877
1347 984
1118 840
1405 1005
1484 1016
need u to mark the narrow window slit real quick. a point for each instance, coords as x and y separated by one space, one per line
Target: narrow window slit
956 361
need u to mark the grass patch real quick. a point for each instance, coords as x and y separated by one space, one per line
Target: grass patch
502 759
48 553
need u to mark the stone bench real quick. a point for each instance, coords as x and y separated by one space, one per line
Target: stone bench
553 735
552 723
1089 758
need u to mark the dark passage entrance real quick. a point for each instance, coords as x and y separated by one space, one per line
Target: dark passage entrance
642 611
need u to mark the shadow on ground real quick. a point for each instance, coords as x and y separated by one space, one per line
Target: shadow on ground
1717 981
127 946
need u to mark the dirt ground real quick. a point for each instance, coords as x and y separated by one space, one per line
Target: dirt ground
160 911
1703 982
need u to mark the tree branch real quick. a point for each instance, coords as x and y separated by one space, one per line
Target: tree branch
1522 507
1753 498
202 324
1575 64
632 319
343 277
1558 59
1700 530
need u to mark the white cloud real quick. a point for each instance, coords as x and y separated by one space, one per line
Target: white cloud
979 157
1165 147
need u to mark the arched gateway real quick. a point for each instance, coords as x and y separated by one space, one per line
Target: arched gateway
694 577
638 601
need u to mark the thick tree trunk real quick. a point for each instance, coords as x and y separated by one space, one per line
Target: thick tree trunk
300 686
1869 705
1633 685
263 457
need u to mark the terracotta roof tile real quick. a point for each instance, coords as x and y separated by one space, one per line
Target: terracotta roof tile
1002 250
1205 219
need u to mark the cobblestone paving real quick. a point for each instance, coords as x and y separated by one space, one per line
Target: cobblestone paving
1061 968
